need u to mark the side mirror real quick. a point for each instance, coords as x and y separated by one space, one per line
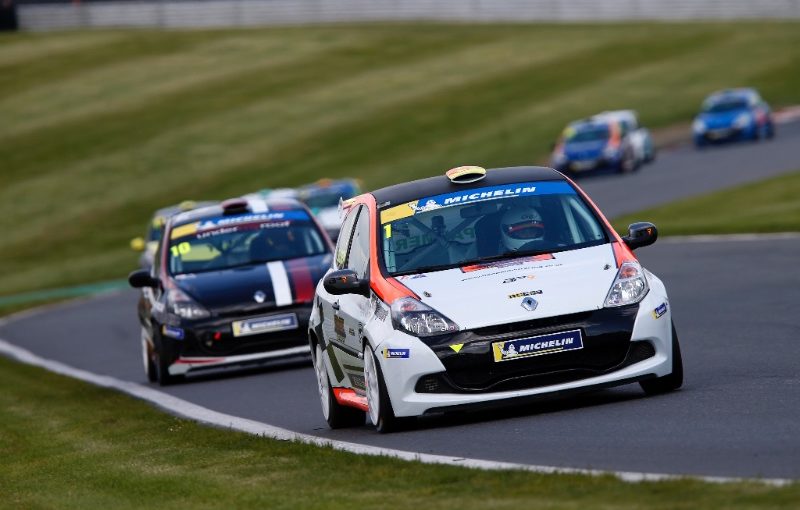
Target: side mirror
345 281
137 244
141 278
641 234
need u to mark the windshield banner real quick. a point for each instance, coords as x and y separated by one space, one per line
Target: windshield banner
475 195
241 219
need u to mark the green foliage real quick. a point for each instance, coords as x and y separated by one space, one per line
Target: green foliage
101 128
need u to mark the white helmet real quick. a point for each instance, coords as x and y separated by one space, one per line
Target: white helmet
520 227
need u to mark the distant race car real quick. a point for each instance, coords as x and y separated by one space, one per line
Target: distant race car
479 289
232 284
593 144
640 138
148 244
323 197
734 114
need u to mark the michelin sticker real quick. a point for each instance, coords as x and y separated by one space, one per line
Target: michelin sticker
390 353
172 332
264 324
660 310
538 345
476 195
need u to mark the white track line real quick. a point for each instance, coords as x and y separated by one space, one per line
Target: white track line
726 238
201 414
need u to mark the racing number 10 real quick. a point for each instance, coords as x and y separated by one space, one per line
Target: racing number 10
182 249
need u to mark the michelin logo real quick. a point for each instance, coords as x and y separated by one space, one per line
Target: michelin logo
538 345
660 310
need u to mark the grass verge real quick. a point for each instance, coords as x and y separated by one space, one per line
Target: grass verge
760 207
66 444
100 128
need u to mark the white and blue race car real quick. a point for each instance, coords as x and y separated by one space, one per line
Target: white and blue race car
480 289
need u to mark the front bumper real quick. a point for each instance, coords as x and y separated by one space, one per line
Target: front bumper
725 134
620 346
211 343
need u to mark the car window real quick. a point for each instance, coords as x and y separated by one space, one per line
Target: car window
507 221
224 242
358 256
343 242
587 134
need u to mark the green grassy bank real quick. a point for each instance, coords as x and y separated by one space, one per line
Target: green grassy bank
100 128
762 207
66 444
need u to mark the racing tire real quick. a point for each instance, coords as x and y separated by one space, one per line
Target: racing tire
671 381
380 413
164 354
337 415
628 163
147 359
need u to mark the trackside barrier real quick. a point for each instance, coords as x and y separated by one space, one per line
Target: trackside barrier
232 13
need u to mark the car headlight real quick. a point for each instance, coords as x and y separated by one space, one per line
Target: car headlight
742 120
610 152
419 319
698 126
630 286
179 303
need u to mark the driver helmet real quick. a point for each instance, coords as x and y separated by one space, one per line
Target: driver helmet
521 226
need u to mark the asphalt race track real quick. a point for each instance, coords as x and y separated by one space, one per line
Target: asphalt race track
734 304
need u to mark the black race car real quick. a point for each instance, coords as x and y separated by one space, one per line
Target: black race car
231 284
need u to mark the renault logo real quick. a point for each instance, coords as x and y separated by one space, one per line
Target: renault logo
259 296
529 304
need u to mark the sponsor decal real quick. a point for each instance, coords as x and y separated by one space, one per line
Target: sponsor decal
529 304
519 278
172 332
225 221
524 294
456 347
338 325
660 310
381 312
411 276
475 195
410 242
390 353
513 269
507 263
537 346
266 324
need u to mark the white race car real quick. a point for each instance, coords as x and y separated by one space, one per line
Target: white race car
639 137
479 289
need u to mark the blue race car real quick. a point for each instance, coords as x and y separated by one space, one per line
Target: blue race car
731 115
594 144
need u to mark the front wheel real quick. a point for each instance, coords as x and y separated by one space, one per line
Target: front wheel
164 354
674 379
337 415
147 357
381 413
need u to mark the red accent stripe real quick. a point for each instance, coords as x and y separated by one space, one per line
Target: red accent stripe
302 283
349 398
622 253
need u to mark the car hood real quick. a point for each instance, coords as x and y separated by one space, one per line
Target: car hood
561 283
282 283
721 119
584 150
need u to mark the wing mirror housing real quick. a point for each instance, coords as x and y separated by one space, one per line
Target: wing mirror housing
345 281
640 234
141 278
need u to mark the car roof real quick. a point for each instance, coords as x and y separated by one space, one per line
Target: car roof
187 205
440 184
254 204
325 185
616 115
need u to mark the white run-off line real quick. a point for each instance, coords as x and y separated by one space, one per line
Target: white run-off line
184 409
728 238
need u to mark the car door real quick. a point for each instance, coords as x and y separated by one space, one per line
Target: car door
333 326
354 309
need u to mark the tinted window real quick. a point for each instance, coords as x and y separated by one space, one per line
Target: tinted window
587 134
727 105
508 221
358 257
343 243
253 238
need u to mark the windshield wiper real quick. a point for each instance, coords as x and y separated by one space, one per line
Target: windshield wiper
427 269
511 254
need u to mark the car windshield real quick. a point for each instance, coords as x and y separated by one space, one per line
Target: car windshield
325 198
727 105
587 134
231 241
493 223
